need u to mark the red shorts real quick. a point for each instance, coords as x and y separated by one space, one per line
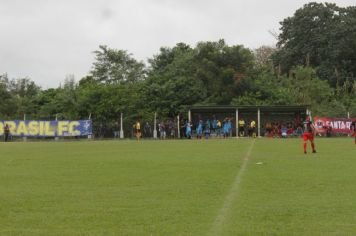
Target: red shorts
308 136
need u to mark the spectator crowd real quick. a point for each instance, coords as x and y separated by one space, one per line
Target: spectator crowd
217 128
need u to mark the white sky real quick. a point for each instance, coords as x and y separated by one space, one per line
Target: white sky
49 39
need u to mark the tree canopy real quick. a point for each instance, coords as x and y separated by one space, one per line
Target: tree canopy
323 36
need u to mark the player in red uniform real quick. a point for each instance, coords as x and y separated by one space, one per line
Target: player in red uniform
308 134
353 129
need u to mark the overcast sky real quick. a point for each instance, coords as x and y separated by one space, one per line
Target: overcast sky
49 39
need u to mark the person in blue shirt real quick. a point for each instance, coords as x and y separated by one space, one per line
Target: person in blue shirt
188 130
207 129
229 123
214 125
284 131
226 129
200 129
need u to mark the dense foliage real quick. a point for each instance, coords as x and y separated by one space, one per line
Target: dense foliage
314 63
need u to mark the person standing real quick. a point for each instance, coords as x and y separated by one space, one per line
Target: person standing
116 129
182 129
226 128
241 128
214 125
162 130
6 132
199 129
329 131
284 131
172 129
308 134
253 129
147 130
188 130
138 130
229 126
207 129
353 129
269 128
218 129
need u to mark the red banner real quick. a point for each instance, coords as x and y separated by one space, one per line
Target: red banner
336 125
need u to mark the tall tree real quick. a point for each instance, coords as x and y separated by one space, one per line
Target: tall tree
171 84
221 69
320 35
8 105
263 55
116 66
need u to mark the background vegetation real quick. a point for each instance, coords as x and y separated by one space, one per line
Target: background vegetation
314 62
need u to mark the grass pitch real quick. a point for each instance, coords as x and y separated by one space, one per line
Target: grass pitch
189 187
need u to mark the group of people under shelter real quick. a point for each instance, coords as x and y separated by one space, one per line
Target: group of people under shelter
219 128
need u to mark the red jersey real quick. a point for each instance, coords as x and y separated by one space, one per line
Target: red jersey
307 126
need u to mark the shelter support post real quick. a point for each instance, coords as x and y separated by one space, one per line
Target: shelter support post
121 126
237 123
259 122
155 126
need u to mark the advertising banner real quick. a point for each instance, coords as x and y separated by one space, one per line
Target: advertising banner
34 128
337 125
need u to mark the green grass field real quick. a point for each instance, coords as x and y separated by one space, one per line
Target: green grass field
189 187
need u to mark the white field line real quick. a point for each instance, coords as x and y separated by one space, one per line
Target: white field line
223 213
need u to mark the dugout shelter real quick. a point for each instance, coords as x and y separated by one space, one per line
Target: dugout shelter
261 114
